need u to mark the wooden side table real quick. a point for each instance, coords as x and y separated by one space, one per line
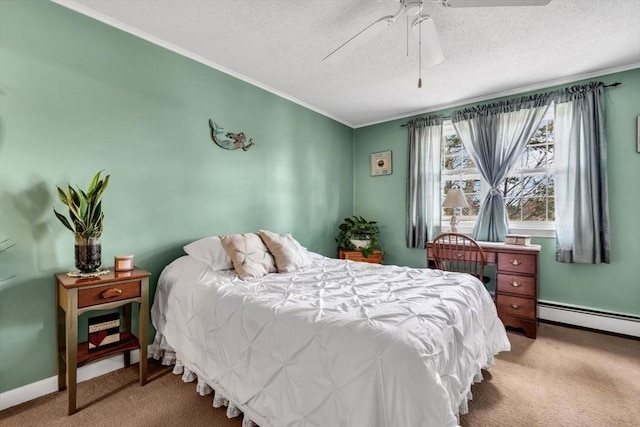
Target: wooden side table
75 296
355 255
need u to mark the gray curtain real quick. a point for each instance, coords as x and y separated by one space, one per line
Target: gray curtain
495 136
423 180
582 195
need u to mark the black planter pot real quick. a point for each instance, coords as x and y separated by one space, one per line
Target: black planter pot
88 253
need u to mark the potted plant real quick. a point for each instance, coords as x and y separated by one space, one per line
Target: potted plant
85 221
358 233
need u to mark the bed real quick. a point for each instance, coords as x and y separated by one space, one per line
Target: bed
332 343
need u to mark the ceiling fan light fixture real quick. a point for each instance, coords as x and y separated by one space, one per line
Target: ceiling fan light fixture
426 36
412 7
493 3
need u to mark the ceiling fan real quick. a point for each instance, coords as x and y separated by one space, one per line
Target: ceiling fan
422 27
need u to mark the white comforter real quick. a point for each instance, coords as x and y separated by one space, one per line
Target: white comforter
338 343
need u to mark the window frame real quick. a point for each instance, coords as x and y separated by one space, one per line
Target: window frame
467 223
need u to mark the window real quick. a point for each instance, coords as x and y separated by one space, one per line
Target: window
527 190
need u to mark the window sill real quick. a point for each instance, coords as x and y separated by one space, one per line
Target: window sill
533 232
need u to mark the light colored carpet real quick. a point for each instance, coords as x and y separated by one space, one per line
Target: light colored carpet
567 377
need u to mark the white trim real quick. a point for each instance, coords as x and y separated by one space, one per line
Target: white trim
468 229
609 322
515 91
534 231
148 37
183 52
50 385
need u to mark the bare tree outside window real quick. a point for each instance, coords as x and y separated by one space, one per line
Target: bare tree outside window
528 189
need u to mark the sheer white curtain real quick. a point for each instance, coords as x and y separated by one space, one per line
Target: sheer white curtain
423 180
495 136
581 188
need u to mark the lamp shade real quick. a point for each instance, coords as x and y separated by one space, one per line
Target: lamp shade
455 199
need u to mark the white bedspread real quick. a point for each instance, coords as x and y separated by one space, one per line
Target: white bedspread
338 343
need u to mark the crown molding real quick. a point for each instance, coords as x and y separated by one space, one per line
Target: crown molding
69 4
509 92
79 8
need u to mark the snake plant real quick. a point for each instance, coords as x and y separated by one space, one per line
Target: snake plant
85 208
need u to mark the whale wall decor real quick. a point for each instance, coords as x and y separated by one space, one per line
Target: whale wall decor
229 140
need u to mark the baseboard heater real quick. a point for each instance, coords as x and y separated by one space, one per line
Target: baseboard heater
616 323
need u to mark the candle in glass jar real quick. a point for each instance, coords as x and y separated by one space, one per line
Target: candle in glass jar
123 262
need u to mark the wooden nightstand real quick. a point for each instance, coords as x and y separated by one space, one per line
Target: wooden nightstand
75 296
355 255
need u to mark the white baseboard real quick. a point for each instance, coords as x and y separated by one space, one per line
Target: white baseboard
50 385
602 321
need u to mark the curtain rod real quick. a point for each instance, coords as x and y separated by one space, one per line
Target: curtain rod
448 117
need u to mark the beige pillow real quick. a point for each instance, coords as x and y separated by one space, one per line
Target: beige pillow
288 253
250 257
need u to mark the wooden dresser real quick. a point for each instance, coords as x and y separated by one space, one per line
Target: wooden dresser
355 255
516 294
516 285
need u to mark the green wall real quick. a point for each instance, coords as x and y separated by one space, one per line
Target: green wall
613 287
77 96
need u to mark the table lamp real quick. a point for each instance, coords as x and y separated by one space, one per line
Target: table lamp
455 199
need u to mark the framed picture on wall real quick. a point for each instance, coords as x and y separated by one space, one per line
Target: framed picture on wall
638 134
381 163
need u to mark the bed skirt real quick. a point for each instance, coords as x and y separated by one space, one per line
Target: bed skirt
161 350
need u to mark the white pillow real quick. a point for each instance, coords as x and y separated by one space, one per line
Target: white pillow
210 251
288 254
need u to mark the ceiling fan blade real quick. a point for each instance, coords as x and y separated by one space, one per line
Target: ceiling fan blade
359 39
493 3
431 51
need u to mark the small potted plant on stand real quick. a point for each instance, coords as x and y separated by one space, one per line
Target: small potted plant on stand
86 221
358 233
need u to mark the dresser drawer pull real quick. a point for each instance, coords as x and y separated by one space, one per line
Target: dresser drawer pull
111 293
515 284
515 262
515 306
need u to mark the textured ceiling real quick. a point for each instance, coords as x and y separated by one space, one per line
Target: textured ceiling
489 51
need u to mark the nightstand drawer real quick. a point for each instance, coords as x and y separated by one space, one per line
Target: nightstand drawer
108 293
516 306
517 263
521 285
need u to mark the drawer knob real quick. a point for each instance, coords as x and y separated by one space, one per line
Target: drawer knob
111 293
515 262
515 306
515 284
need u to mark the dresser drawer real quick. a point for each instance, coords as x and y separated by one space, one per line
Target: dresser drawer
517 263
521 285
107 293
516 306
